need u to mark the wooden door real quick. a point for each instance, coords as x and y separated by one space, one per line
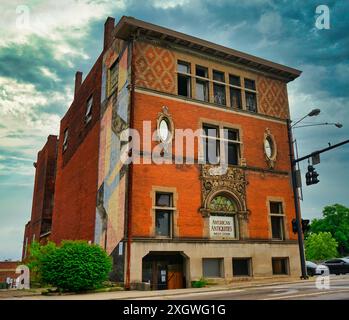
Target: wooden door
174 280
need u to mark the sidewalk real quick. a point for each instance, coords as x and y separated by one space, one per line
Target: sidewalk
115 295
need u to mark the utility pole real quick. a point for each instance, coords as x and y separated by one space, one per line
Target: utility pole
296 202
295 191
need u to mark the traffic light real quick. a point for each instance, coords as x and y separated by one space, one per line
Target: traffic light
308 178
305 225
311 176
315 180
294 226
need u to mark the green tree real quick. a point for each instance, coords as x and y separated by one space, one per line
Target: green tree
336 221
37 253
76 266
320 246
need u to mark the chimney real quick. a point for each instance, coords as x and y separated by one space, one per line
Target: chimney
108 32
78 81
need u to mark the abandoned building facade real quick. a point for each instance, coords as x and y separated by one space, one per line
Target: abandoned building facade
169 224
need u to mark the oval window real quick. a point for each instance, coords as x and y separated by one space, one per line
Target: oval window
268 147
164 131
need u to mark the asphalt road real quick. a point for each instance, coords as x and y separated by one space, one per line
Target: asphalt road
338 290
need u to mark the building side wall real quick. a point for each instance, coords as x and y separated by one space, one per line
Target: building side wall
43 194
77 166
112 173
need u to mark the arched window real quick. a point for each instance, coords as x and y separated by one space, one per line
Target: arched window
223 222
221 203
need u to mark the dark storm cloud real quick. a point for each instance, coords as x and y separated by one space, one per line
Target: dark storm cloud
23 62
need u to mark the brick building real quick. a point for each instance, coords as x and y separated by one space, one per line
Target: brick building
8 270
39 226
222 212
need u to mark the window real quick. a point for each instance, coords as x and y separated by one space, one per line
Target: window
269 147
235 93
65 139
163 214
280 266
251 97
212 267
277 220
219 89
232 146
164 130
242 267
211 144
201 84
184 79
113 77
163 199
88 114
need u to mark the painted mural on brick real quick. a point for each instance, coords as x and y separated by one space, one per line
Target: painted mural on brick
111 198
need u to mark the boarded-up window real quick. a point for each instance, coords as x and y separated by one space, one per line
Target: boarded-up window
212 267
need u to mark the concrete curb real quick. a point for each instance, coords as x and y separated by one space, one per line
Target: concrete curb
129 295
206 289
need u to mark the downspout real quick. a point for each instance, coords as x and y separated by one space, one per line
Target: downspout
130 173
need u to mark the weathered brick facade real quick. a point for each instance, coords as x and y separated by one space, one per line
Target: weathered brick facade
40 222
8 270
76 179
100 198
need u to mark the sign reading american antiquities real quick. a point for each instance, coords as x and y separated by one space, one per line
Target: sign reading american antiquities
222 227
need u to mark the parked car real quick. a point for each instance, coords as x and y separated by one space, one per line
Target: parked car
338 265
312 269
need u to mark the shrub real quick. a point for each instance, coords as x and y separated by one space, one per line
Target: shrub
37 252
76 266
199 283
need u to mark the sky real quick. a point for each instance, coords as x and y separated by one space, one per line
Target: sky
44 42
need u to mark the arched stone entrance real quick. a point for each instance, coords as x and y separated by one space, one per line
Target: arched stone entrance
164 269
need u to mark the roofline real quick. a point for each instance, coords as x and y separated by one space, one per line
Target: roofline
128 25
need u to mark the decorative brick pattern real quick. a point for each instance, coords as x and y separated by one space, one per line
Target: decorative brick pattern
154 67
272 97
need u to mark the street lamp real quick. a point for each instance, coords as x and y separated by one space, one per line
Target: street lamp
336 124
312 113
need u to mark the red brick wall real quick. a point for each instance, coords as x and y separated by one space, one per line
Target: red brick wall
43 194
8 269
77 166
27 236
186 178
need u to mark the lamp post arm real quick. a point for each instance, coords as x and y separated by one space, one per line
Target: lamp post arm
315 124
301 119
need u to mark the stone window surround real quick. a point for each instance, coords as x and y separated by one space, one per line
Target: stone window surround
221 266
221 125
250 267
174 227
288 271
285 229
270 160
191 61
